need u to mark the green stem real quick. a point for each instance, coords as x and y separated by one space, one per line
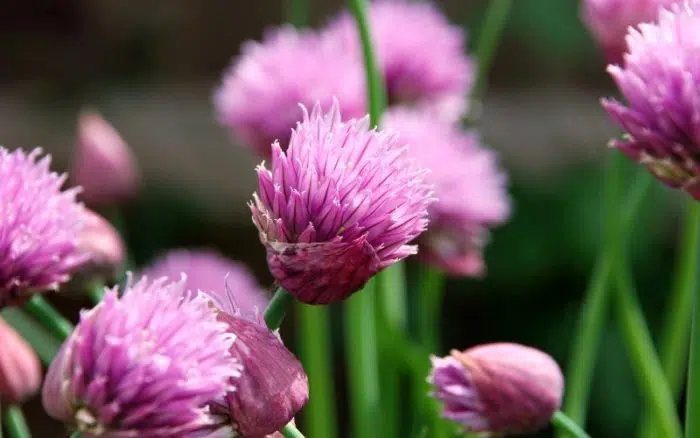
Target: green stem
15 423
645 363
391 301
75 434
291 431
489 37
43 343
315 351
567 425
376 93
277 308
49 317
298 14
431 291
361 356
96 292
675 334
589 329
692 407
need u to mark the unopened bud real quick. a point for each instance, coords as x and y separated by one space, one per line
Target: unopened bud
20 372
498 388
103 164
105 247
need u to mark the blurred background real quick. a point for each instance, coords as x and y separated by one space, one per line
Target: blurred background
151 67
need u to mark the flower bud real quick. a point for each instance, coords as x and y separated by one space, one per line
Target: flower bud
103 164
272 387
102 243
20 372
498 388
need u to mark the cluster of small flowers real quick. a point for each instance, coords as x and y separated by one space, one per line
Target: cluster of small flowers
428 80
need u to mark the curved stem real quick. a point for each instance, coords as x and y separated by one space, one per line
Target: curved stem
43 343
592 318
489 37
645 363
361 357
315 351
277 308
675 333
376 93
566 424
692 407
15 423
291 431
49 317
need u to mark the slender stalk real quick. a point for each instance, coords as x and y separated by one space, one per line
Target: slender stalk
566 424
489 37
277 308
391 302
298 13
376 92
692 407
43 343
315 351
15 423
646 365
361 356
584 350
49 317
291 431
430 296
675 333
96 292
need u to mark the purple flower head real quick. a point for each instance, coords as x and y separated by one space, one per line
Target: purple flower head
259 97
39 227
20 371
147 365
660 80
609 20
211 272
272 387
469 185
498 388
104 165
341 204
421 55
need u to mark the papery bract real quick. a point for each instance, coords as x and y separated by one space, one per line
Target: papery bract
341 204
147 364
39 227
469 185
659 80
260 93
498 388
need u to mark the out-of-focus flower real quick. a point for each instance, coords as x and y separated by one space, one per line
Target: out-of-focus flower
20 372
273 386
659 80
421 55
39 227
259 97
341 204
103 165
145 365
229 283
469 185
498 388
609 20
101 242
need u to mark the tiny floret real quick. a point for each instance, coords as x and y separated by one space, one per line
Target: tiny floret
341 204
659 80
147 364
498 389
469 184
260 93
422 56
39 227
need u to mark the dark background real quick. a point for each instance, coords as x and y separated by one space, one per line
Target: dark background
150 67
